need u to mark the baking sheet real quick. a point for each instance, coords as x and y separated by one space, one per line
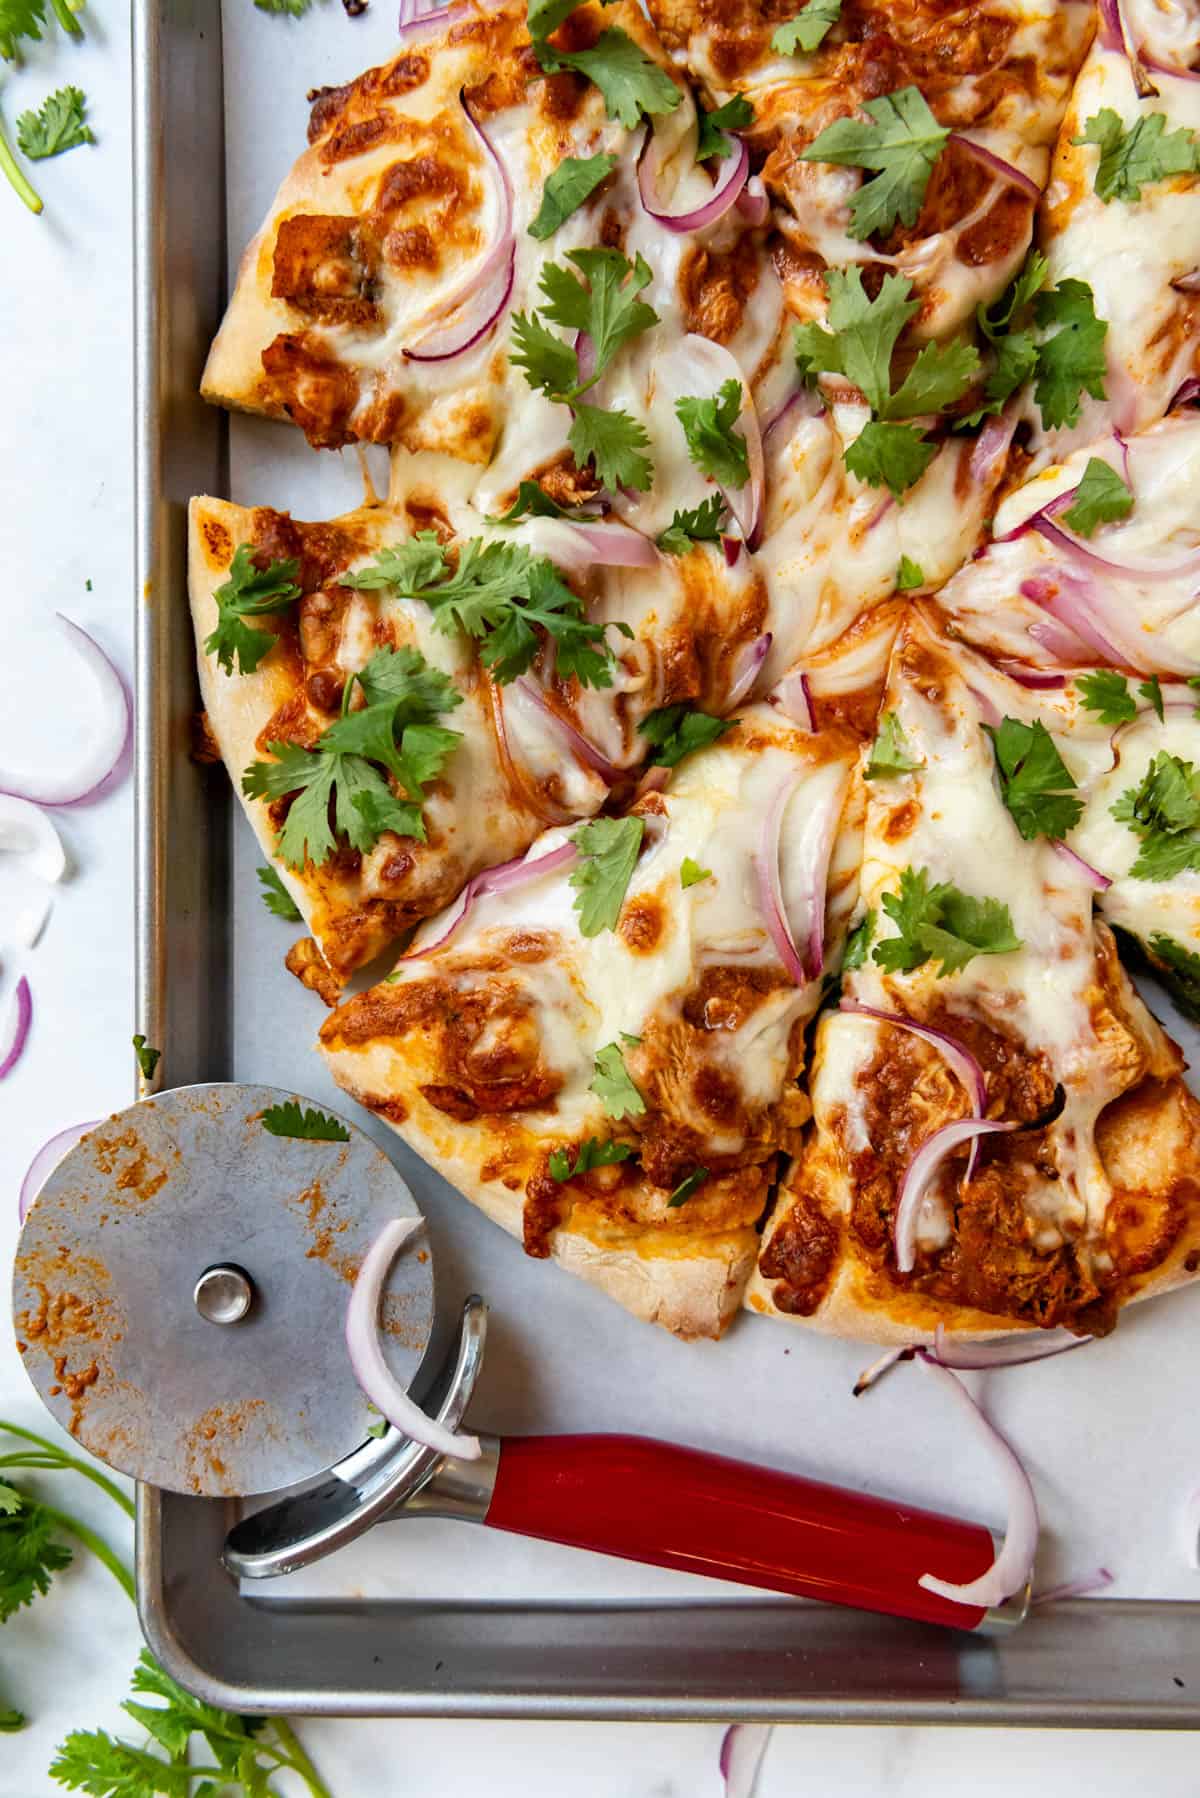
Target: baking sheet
1099 1430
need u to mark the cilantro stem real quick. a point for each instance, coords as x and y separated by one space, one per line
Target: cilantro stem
65 14
297 1759
97 1544
16 175
56 1458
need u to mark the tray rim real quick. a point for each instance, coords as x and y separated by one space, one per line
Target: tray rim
1137 1634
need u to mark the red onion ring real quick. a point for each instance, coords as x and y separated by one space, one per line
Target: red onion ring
793 696
500 257
1007 171
1074 1588
920 1172
500 879
15 1033
104 757
1098 882
45 1162
366 1357
1014 1350
742 1748
746 669
1014 1564
770 886
880 513
958 1058
26 830
732 174
578 744
1072 547
752 202
1188 283
456 339
731 549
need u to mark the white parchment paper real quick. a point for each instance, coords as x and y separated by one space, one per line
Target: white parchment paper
1107 1433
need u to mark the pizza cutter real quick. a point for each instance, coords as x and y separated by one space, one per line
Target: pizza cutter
179 1295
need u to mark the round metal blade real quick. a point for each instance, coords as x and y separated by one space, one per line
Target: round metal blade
105 1300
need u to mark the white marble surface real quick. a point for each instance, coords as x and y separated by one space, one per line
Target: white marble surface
66 520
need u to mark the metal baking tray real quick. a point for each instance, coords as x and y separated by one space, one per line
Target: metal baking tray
659 1649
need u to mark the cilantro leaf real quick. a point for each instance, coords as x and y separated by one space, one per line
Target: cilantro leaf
545 16
276 897
613 442
1107 693
890 752
608 851
404 678
803 34
902 142
735 115
701 525
594 1151
18 19
1071 361
29 1555
1152 690
687 1187
632 84
290 1119
691 873
713 444
611 1083
892 456
250 592
377 1423
532 501
940 375
409 567
57 126
1163 812
859 941
549 363
943 924
1179 970
1145 152
608 307
909 575
1101 497
292 9
1035 783
676 730
567 187
147 1058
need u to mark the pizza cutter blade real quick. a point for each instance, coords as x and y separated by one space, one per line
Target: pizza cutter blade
180 1290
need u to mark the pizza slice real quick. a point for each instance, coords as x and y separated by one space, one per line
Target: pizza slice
602 1051
1095 559
370 749
1121 221
1002 1137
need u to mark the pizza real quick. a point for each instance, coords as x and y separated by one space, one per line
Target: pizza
745 756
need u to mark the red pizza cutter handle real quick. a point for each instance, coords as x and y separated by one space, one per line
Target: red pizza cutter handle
677 1507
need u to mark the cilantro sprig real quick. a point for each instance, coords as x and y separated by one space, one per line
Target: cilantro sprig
700 524
250 592
941 923
611 1080
600 303
859 941
1035 783
806 32
1132 157
1062 364
1102 497
676 730
291 1119
501 594
594 1151
859 345
275 896
1163 811
890 752
608 851
713 127
23 20
901 143
713 444
633 85
346 774
1106 693
59 124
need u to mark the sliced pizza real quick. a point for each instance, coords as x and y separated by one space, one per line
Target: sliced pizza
1002 1137
601 1050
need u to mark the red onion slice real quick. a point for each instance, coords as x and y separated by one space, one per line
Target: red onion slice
500 879
746 669
1007 171
480 317
1017 1349
500 257
957 1056
1074 1588
112 739
921 1171
731 549
1035 678
991 446
731 175
1186 394
820 830
1098 882
1014 1564
742 1748
793 696
1082 553
416 23
616 545
1188 283
585 752
752 202
14 1033
877 1369
1168 68
770 886
804 397
24 830
1068 603
366 1356
1114 35
45 1162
